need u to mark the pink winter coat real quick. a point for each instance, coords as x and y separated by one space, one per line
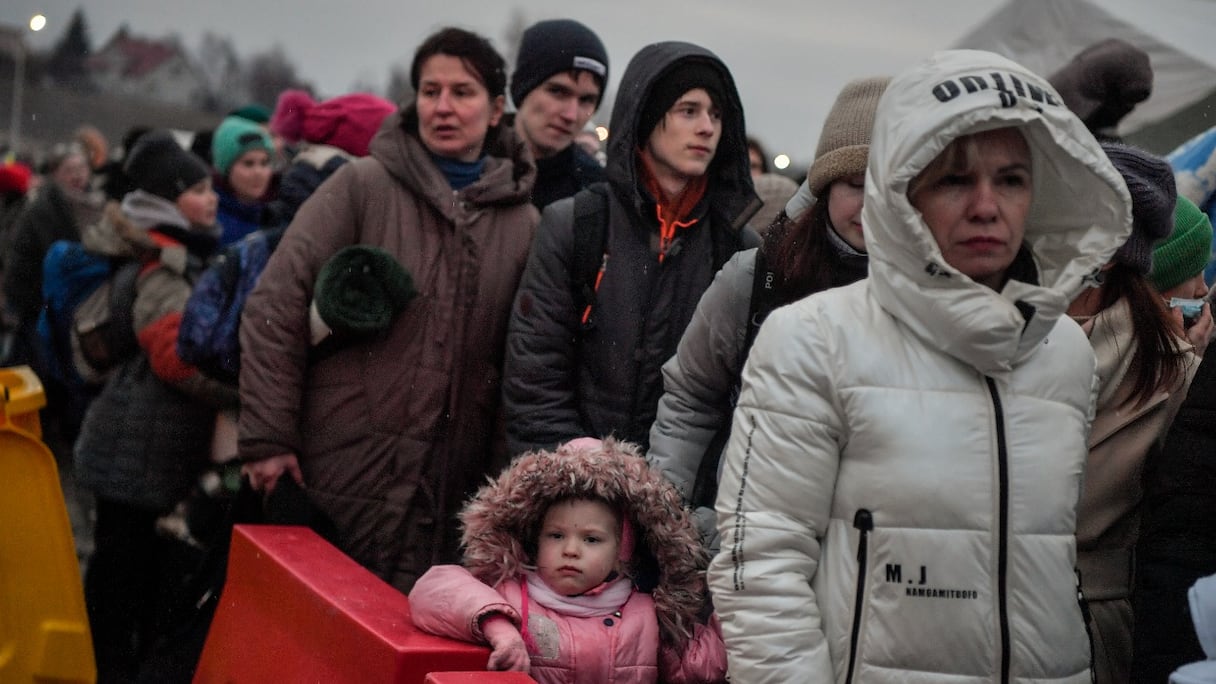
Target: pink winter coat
622 648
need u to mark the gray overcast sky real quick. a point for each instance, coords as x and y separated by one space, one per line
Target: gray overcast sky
789 57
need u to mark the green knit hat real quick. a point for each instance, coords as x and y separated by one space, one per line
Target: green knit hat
1185 253
234 137
254 112
361 289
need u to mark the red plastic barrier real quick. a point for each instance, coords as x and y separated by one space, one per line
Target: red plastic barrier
296 609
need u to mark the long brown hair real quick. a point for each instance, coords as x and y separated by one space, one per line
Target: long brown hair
1159 361
799 254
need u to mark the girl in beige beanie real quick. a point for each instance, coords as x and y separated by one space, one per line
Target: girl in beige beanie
819 249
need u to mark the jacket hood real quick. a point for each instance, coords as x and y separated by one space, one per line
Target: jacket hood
117 235
731 193
507 179
1079 215
508 510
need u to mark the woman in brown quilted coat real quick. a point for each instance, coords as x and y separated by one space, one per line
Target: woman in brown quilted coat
389 431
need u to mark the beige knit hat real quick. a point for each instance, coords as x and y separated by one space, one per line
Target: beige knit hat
844 143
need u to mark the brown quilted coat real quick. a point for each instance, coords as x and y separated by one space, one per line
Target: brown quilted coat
393 432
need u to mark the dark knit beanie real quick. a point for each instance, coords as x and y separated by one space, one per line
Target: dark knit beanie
361 289
1186 252
1150 181
234 137
844 144
681 77
553 46
159 165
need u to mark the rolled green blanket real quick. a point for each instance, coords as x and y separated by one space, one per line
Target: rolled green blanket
361 289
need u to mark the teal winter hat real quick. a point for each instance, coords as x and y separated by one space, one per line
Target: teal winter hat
252 112
234 137
1185 253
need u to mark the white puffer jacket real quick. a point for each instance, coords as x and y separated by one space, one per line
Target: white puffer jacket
898 500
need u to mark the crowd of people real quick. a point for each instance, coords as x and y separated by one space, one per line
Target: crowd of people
941 412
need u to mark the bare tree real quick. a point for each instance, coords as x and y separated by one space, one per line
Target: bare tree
66 64
222 72
513 34
365 82
399 88
270 73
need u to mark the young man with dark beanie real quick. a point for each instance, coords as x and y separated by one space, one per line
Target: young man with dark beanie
557 85
584 354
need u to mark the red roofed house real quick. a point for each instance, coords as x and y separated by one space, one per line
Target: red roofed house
158 69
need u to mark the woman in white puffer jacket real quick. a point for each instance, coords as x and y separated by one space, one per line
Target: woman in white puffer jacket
898 498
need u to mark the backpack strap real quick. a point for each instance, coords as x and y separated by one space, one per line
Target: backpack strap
590 249
120 334
762 302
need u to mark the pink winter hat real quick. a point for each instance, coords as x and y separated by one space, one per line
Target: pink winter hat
347 121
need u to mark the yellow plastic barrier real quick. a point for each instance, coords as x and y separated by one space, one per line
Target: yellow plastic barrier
44 631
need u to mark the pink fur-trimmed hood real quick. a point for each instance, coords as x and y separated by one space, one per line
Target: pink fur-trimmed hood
507 510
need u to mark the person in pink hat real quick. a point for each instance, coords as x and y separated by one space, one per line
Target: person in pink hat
14 185
325 136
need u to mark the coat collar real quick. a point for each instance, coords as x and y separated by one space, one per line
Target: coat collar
508 178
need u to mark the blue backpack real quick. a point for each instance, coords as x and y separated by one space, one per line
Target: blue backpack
209 334
86 326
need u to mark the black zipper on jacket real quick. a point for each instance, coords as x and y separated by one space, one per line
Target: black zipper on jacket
1089 633
863 521
1002 562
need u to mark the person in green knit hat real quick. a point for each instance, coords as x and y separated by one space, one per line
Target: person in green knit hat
1178 263
1177 543
241 154
1144 367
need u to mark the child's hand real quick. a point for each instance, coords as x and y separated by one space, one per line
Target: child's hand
509 650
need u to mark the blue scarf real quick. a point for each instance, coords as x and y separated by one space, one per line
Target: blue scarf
460 174
237 218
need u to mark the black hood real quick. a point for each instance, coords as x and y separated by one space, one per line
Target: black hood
731 193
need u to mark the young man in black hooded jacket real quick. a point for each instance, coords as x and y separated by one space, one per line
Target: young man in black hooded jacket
585 349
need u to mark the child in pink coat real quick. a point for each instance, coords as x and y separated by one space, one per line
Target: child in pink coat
580 565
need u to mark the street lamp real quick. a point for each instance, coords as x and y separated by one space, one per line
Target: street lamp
15 40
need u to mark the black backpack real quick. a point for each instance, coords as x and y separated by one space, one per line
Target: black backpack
590 263
591 248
